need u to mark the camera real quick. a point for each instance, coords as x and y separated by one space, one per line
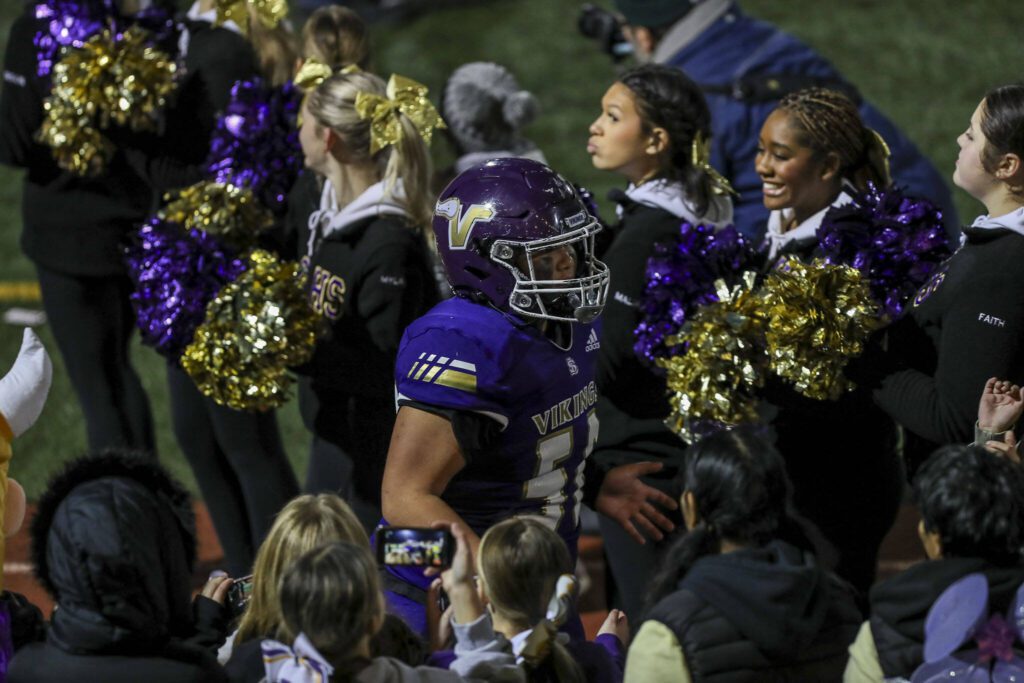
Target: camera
414 547
604 27
239 594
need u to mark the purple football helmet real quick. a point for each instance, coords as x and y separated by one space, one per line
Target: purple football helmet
493 219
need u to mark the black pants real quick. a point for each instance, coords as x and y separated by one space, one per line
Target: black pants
351 435
92 320
240 465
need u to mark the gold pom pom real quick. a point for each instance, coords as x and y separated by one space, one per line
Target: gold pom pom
255 329
110 80
229 212
820 316
712 384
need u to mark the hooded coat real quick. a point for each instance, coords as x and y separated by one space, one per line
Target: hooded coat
757 614
113 541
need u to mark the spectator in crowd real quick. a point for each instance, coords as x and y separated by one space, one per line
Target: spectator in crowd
113 542
740 597
972 521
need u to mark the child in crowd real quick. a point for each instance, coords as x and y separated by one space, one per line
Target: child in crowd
739 597
653 130
814 150
524 578
972 521
332 607
369 269
304 523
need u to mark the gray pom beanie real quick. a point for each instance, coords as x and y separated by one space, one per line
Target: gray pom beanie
485 108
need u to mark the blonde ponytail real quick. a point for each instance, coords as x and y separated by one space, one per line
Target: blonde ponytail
275 48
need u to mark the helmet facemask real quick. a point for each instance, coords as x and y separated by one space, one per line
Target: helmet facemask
536 294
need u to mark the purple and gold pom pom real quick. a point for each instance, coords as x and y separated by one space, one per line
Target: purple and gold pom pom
256 142
113 79
255 329
681 277
820 315
228 212
897 242
176 274
713 383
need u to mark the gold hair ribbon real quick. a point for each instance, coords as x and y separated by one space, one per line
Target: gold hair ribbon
269 12
312 73
404 96
886 153
700 155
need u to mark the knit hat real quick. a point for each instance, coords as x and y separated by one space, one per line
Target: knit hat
485 108
654 13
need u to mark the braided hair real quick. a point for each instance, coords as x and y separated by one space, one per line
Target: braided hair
828 122
667 98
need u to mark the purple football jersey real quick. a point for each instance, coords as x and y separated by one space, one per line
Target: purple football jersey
467 356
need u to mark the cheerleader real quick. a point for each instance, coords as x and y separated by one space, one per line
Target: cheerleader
652 130
967 323
237 457
368 270
813 152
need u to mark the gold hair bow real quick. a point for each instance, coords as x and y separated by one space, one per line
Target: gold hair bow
404 96
313 72
269 12
700 154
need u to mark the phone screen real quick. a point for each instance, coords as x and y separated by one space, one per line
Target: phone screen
239 594
413 547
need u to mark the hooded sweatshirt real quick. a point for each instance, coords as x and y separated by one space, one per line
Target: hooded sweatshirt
757 614
966 324
369 277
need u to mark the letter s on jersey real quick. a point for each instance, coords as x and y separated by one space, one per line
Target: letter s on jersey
461 221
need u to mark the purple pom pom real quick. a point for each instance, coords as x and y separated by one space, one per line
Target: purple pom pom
896 241
256 142
681 277
176 274
71 23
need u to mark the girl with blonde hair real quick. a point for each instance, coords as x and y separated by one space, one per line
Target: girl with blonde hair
369 272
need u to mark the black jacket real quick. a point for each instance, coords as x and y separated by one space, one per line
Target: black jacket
763 614
113 541
71 224
369 280
633 401
899 606
965 325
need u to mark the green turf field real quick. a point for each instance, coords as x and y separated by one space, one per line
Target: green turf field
924 62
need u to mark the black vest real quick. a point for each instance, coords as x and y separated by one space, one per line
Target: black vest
716 651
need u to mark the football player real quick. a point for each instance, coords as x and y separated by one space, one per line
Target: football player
495 386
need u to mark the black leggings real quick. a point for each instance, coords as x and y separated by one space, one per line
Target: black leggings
92 320
240 465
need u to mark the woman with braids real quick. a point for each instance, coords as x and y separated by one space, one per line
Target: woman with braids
813 152
369 272
967 323
740 597
653 130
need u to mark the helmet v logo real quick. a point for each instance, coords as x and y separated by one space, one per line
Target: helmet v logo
461 221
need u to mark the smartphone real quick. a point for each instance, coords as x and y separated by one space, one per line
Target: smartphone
239 594
414 547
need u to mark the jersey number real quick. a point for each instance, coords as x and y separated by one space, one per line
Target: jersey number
550 478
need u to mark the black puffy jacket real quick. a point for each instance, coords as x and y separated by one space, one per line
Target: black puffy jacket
113 541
